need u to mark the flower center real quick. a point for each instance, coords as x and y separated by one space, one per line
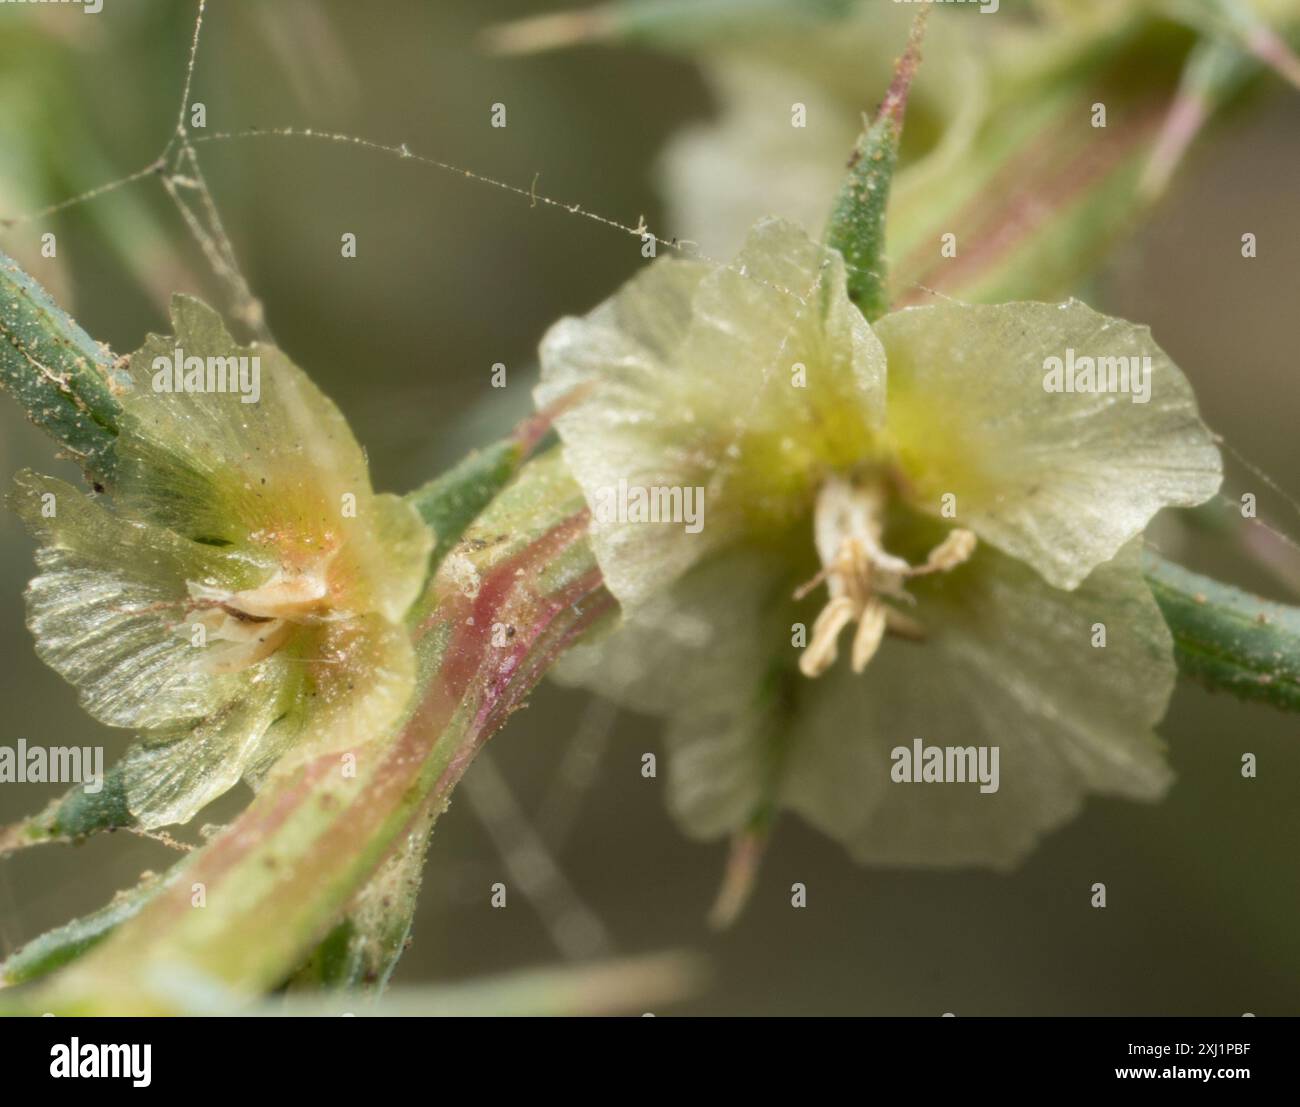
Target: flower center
860 574
245 627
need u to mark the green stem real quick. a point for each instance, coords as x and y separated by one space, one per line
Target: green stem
1227 639
292 863
361 951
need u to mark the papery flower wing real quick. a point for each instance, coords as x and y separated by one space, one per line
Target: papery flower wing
1008 663
336 686
699 652
748 381
280 478
254 521
174 773
356 678
617 365
1060 480
382 563
106 602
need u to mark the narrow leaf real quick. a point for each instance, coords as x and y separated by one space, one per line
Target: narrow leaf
64 379
74 815
857 223
57 947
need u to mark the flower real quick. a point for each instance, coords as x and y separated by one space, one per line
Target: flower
242 590
994 159
719 175
979 528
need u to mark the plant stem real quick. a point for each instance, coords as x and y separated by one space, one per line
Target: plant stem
1227 639
291 863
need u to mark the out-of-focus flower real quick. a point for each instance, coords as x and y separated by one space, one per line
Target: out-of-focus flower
1005 152
752 160
926 470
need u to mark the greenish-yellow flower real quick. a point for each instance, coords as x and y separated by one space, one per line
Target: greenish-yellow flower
929 473
242 590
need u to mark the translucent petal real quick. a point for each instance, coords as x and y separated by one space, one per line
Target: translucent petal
336 686
1008 663
280 478
746 381
290 449
389 545
173 774
260 516
357 677
1060 480
703 638
699 652
105 603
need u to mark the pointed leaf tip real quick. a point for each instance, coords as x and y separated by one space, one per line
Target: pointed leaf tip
894 105
857 223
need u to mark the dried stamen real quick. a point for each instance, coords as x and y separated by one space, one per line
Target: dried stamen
245 627
858 570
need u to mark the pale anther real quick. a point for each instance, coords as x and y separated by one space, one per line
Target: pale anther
858 570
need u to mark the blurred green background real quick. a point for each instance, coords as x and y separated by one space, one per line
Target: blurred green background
452 276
